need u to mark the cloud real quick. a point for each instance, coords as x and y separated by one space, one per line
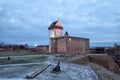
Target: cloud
28 21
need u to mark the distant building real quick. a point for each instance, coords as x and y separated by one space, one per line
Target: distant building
66 44
12 47
97 50
6 48
117 47
42 48
114 52
109 50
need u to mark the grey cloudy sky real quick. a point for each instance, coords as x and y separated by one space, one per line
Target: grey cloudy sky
27 21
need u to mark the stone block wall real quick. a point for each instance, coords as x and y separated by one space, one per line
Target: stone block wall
69 45
42 49
61 45
53 45
77 45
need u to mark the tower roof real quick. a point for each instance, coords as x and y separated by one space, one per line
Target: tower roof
66 33
55 25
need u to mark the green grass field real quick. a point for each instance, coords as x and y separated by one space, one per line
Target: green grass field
19 57
22 59
17 53
20 63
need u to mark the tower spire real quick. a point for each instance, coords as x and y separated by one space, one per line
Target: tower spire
66 33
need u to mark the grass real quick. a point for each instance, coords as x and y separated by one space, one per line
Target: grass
24 59
17 53
20 57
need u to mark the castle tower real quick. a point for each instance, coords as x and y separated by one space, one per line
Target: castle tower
66 34
55 30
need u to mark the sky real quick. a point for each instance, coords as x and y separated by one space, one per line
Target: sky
27 21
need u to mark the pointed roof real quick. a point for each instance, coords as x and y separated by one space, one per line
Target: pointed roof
66 33
55 25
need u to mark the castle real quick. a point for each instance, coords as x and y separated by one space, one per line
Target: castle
66 44
63 44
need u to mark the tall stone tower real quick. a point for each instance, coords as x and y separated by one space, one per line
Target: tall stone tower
55 30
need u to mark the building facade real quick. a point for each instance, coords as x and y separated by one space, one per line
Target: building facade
42 48
66 44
